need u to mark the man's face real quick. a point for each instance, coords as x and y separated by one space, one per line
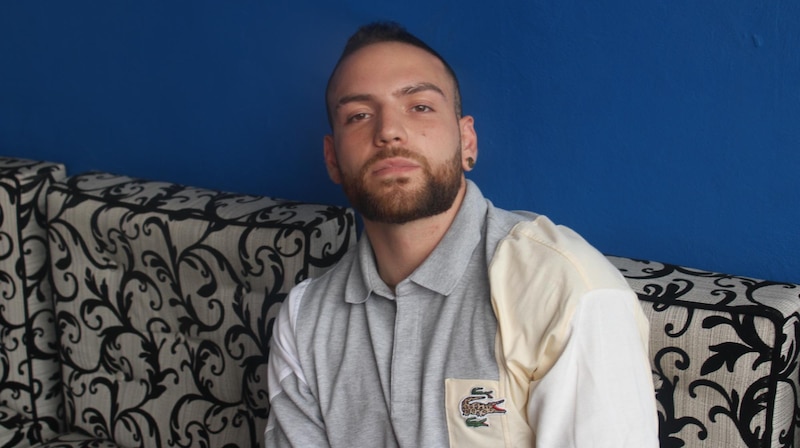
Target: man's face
396 146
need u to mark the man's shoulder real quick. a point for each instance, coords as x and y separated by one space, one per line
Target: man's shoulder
330 286
539 245
499 223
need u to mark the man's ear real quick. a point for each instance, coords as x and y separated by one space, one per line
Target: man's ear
331 163
469 142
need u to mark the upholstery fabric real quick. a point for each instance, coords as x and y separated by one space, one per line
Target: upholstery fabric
165 297
31 406
724 355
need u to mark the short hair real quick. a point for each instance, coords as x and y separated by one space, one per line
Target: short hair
379 32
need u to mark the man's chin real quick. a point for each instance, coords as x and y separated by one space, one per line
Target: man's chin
399 208
394 190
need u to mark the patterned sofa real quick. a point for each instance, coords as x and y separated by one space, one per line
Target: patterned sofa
136 314
163 298
724 355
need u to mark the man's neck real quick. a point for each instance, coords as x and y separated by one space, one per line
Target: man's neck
401 248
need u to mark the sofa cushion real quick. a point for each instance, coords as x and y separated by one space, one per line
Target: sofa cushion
724 355
164 298
31 408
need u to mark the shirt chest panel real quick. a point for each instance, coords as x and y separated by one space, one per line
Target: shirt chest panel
389 363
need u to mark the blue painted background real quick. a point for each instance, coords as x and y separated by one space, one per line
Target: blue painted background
666 130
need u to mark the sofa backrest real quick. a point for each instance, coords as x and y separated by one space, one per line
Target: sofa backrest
31 407
724 354
164 297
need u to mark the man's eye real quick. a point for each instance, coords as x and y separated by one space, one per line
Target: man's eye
357 117
421 108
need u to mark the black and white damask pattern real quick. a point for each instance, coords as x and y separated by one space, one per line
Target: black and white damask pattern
31 408
165 297
724 355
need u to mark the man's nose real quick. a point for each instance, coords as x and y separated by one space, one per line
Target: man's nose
390 129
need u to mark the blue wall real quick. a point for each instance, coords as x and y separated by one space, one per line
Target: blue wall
665 130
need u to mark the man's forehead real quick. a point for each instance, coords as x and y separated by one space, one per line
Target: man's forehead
386 60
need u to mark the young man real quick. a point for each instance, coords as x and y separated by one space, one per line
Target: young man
452 323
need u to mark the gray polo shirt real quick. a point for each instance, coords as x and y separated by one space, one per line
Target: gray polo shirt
368 365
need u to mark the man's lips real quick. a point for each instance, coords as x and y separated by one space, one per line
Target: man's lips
394 165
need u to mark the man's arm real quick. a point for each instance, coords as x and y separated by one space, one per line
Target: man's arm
599 393
294 419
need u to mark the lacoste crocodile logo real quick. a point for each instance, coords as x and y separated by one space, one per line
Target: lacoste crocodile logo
478 405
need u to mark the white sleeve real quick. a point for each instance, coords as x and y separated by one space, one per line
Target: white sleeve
294 419
283 358
600 391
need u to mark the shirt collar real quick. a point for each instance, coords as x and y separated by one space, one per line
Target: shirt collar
443 268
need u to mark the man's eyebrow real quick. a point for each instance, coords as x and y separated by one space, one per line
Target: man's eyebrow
353 98
420 87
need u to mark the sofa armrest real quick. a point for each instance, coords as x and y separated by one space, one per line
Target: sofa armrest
31 405
724 355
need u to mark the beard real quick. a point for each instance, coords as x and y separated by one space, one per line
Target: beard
395 200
